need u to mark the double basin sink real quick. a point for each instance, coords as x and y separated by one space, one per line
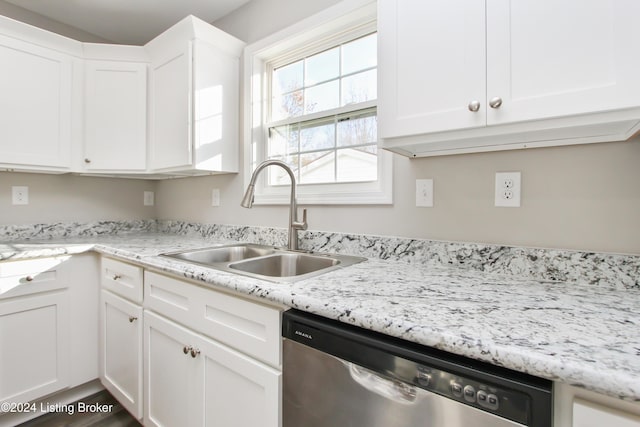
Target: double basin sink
265 262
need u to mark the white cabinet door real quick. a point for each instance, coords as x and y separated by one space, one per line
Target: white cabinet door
193 381
547 58
35 106
173 384
432 65
194 99
34 346
121 351
115 116
170 111
238 391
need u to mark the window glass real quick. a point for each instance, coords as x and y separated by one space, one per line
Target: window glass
341 144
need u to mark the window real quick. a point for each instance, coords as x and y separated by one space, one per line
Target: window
339 85
313 95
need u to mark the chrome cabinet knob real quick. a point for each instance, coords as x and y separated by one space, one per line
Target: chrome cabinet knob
87 161
116 277
187 349
474 106
28 279
495 102
132 319
194 352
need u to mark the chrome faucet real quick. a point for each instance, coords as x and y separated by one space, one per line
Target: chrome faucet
294 224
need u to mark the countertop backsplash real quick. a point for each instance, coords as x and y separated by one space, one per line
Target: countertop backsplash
602 269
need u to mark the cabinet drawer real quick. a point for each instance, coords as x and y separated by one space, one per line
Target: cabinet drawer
32 276
248 326
122 279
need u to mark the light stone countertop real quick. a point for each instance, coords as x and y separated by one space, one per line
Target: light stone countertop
584 335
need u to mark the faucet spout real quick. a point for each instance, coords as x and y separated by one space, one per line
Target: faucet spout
294 224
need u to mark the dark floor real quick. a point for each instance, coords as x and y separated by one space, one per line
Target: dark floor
117 416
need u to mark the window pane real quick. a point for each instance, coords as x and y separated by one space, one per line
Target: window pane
317 167
359 87
287 78
321 97
359 54
357 164
322 67
278 176
289 105
283 140
357 130
317 136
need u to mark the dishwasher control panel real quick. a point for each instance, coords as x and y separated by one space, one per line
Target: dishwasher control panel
481 394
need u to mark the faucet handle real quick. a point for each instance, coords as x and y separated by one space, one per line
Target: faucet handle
298 225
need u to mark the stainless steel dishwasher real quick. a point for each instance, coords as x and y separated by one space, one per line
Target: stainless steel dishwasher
337 375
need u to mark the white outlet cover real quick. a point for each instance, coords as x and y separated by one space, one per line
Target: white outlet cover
215 197
20 195
149 198
508 189
424 193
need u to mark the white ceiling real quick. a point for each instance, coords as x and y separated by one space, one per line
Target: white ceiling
127 21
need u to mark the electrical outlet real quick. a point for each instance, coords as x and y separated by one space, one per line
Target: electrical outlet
149 198
20 195
508 185
215 197
424 193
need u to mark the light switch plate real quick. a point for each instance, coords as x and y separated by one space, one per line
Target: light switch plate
424 193
20 195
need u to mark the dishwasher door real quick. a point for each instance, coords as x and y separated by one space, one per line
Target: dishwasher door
340 375
321 390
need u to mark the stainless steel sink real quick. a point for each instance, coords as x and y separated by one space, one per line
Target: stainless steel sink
265 262
225 253
285 265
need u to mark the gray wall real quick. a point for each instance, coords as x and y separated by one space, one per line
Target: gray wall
23 15
68 198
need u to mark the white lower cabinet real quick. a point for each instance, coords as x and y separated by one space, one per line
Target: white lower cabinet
121 351
589 414
577 407
178 354
194 381
47 326
34 349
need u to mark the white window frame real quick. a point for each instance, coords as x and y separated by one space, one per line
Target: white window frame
343 18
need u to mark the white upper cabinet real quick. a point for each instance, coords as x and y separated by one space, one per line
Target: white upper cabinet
558 58
194 100
115 108
35 102
170 107
432 65
477 75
